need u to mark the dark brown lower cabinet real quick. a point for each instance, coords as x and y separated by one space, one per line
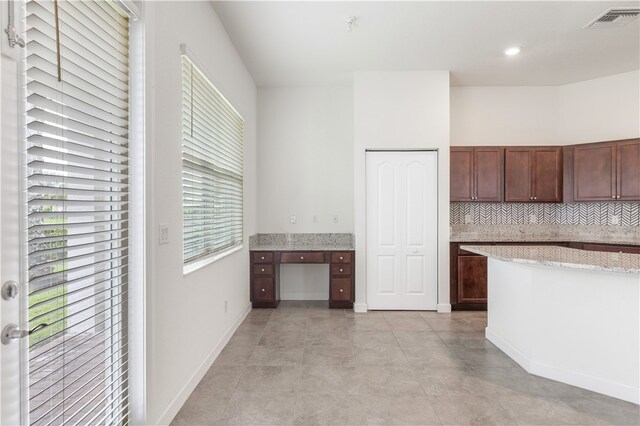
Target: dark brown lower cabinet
472 279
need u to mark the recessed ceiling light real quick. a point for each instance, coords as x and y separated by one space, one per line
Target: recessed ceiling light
511 51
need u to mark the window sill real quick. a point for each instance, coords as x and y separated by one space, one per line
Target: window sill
197 264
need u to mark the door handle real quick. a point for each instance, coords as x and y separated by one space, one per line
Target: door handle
12 331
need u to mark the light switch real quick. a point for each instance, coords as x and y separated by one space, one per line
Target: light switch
163 234
315 219
292 219
335 218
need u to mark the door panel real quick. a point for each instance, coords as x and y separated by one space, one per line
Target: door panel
517 174
628 173
461 181
488 173
386 274
401 230
547 174
594 176
11 365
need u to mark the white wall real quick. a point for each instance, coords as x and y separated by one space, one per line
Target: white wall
606 108
186 321
401 110
602 109
492 115
305 146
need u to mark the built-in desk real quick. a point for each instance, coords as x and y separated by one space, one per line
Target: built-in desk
269 251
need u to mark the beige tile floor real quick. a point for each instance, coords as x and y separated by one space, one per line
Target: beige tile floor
303 364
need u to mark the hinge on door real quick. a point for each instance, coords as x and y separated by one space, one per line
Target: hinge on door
14 38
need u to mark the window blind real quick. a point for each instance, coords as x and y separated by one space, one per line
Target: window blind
212 146
77 97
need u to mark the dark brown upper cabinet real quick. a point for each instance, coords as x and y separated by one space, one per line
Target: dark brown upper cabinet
476 173
533 174
607 171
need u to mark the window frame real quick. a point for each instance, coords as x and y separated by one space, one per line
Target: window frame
196 263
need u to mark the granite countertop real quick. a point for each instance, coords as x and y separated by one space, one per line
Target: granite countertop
545 233
301 242
562 257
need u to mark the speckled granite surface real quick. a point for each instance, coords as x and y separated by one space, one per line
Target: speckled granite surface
562 257
299 242
549 233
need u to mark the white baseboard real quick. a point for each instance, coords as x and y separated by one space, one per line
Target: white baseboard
184 393
595 384
574 378
360 308
443 308
295 295
508 349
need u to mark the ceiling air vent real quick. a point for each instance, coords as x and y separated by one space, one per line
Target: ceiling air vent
614 17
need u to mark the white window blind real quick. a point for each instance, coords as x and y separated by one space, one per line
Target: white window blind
78 211
212 144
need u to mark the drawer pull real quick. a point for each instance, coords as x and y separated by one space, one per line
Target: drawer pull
340 257
341 270
263 290
301 257
262 258
341 290
262 270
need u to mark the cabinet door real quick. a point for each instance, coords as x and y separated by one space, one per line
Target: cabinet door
472 279
628 170
594 174
461 174
547 174
488 164
518 182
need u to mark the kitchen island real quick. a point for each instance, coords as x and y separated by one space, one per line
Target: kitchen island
568 315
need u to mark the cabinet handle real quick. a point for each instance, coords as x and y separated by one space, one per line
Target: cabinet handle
535 198
340 257
301 257
262 270
341 290
263 290
340 269
613 196
618 196
262 258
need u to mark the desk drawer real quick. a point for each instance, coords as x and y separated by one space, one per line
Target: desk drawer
264 269
341 257
263 289
341 270
301 257
341 289
263 257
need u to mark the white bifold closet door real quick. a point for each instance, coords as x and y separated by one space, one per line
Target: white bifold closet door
401 217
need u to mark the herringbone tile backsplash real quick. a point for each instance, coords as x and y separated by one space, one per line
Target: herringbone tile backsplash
597 214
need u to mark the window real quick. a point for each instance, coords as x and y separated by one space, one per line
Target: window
78 213
212 143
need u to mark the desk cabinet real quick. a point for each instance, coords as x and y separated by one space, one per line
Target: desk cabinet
265 275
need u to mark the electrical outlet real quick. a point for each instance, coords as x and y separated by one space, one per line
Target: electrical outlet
615 219
292 219
315 219
533 218
335 218
163 234
225 306
467 219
